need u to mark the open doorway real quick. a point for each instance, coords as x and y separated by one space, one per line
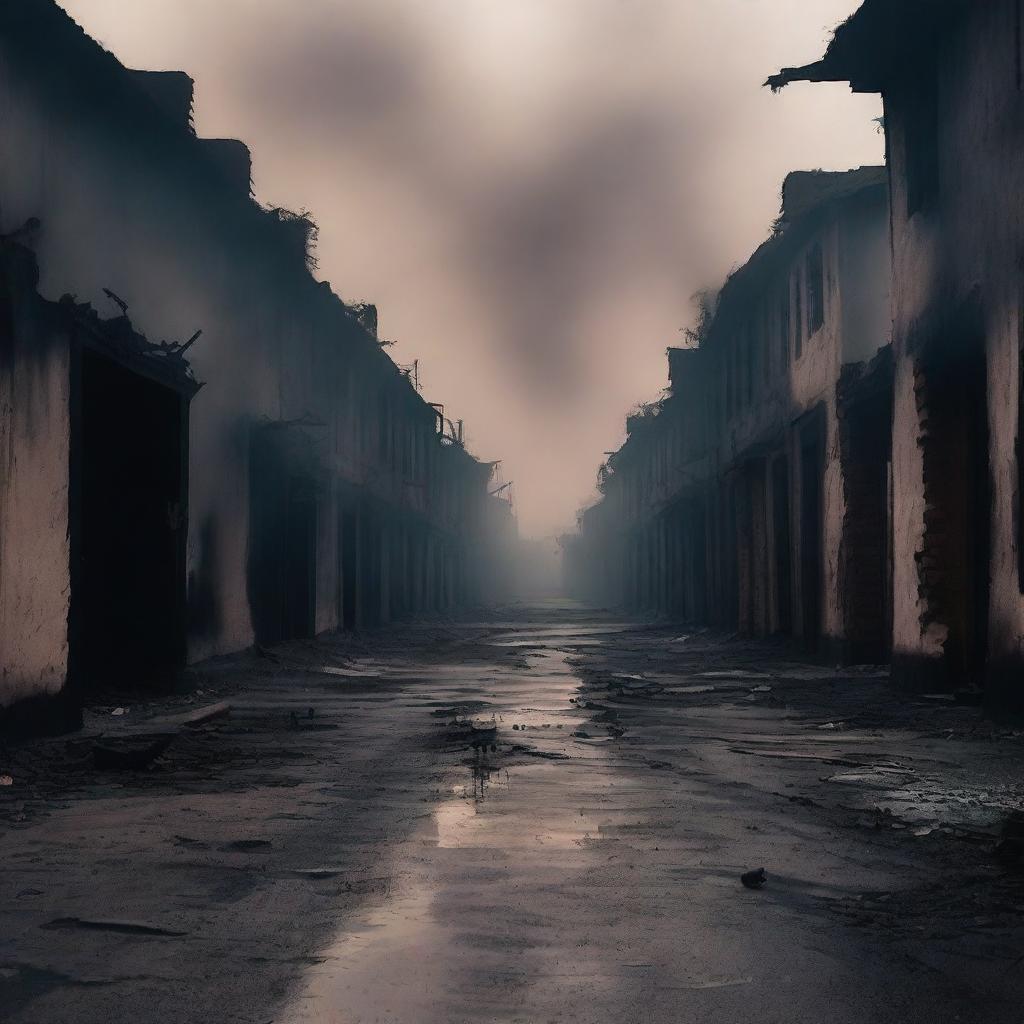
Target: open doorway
812 453
866 565
370 563
782 546
128 527
348 545
954 560
282 550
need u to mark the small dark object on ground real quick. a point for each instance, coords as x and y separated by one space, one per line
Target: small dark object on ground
242 845
969 697
1010 851
1010 848
1013 827
754 879
198 716
128 754
478 737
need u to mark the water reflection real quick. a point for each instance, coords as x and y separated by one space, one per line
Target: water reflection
408 960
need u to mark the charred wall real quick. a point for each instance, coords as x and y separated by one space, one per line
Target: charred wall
954 128
129 200
751 495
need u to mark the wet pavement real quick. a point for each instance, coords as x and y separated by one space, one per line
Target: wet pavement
538 817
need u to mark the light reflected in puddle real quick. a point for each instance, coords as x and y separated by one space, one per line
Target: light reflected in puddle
452 818
357 980
394 962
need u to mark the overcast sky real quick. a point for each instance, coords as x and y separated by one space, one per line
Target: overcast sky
530 190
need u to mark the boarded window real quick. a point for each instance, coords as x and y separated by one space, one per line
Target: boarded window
815 289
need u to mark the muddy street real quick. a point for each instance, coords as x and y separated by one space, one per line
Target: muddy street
538 818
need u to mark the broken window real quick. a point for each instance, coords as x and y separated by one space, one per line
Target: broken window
815 289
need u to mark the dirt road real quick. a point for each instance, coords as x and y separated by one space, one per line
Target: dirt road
542 817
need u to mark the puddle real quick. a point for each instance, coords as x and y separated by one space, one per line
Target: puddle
452 819
358 977
403 960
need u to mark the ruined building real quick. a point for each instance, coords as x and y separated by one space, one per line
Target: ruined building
950 74
755 494
165 494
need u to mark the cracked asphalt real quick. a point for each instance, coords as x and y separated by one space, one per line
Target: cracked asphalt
541 815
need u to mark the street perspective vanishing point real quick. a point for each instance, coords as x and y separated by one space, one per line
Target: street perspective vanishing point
334 689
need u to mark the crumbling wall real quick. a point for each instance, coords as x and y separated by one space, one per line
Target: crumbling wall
963 249
812 381
129 200
35 436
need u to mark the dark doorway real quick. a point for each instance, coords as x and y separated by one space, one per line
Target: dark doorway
370 582
348 545
730 558
812 450
694 555
783 548
128 576
954 564
282 551
867 528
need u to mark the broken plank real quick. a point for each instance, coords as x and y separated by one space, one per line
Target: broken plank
198 716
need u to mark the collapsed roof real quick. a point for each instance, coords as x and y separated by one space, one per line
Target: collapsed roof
875 44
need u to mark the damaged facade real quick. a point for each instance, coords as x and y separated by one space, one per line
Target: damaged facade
168 495
754 496
900 530
950 75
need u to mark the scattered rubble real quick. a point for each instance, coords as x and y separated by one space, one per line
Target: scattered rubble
131 752
199 716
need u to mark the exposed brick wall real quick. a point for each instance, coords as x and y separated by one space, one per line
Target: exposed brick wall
953 559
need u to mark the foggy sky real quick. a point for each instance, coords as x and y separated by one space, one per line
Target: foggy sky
530 190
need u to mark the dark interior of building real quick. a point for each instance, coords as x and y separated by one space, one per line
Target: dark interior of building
127 558
282 550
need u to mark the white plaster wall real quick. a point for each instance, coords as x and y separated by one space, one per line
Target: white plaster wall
34 480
